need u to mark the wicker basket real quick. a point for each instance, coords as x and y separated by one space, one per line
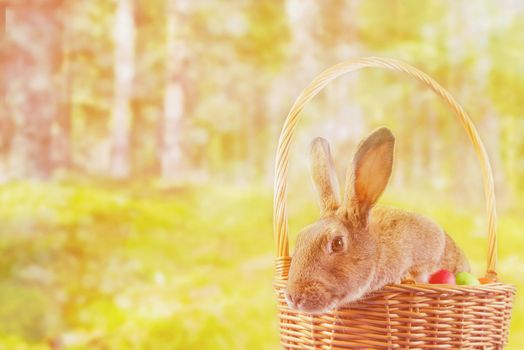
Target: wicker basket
400 316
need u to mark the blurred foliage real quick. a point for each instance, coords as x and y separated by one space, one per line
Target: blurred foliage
105 267
100 267
177 252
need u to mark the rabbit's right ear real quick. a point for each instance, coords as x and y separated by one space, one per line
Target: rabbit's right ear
370 174
324 176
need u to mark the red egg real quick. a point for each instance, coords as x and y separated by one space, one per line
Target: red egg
442 277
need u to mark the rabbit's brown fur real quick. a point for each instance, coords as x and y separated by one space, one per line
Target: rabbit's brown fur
355 248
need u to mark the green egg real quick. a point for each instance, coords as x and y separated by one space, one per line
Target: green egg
466 278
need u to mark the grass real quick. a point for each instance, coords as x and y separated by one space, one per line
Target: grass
146 267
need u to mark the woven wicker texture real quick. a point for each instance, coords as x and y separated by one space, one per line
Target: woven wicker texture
403 316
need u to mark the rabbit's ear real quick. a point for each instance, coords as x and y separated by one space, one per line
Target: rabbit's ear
370 173
324 176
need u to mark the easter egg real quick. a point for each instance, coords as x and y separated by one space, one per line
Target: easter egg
466 279
442 277
486 280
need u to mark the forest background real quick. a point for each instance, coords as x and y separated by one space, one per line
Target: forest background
137 142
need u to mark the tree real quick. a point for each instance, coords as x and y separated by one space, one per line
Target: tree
61 141
5 120
31 69
124 36
171 133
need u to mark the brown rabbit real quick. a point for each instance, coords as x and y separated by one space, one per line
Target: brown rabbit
354 248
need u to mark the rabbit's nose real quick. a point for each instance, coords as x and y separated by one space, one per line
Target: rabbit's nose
294 300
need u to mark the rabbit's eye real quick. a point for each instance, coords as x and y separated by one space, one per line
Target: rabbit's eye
337 244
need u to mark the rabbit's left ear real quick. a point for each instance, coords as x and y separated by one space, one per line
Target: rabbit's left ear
324 176
370 174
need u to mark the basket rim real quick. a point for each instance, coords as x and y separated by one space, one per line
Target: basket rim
429 288
410 294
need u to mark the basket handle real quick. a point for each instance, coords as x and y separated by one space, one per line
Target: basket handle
280 225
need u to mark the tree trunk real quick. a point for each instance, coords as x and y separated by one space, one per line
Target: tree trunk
6 122
124 37
5 119
33 42
171 150
61 140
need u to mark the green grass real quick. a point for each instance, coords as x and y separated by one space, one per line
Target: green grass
146 267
